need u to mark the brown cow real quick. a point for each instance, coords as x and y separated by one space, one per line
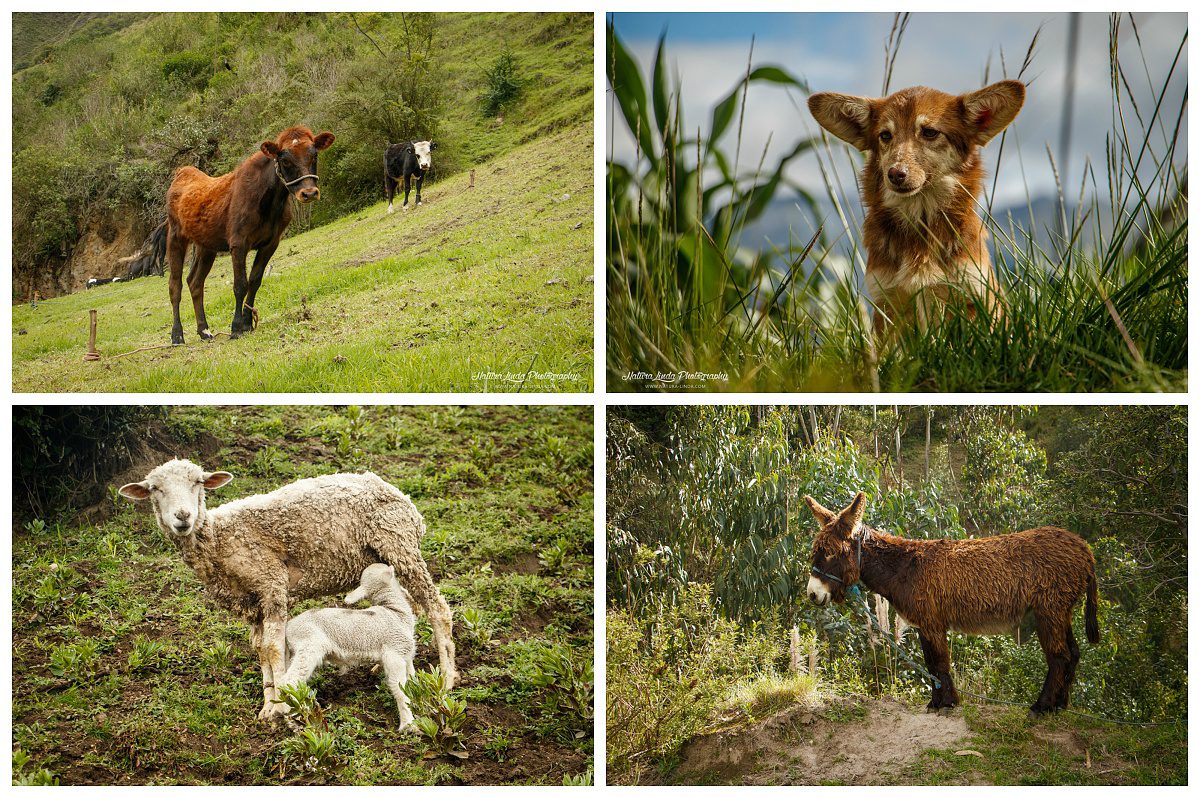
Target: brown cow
977 586
245 209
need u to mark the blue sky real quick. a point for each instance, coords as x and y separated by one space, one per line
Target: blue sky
845 52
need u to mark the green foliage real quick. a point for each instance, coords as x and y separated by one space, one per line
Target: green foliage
502 84
188 68
676 667
41 777
146 654
437 715
496 744
74 661
567 683
1003 476
585 779
64 454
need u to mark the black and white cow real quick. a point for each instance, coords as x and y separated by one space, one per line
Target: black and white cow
402 163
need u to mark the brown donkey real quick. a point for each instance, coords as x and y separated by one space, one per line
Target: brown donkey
978 586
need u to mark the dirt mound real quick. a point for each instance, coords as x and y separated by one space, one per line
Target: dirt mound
848 741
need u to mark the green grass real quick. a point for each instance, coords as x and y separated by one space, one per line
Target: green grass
489 279
496 485
1060 750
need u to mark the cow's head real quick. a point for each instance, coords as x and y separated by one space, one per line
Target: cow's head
294 153
423 150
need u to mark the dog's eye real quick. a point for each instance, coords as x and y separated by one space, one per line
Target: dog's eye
929 133
885 136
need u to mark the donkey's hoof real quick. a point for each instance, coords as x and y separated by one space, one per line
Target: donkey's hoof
177 339
205 335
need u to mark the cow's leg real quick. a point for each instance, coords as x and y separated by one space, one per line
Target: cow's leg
1052 635
261 257
937 661
271 655
407 188
420 182
389 186
196 277
176 248
237 253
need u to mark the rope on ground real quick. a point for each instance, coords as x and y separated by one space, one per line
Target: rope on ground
854 590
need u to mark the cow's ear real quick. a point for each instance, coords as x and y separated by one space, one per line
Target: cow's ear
433 145
270 149
323 140
138 491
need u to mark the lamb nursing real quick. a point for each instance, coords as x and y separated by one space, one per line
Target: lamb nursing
383 634
259 555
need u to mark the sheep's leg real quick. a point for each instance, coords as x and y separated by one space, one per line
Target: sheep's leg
271 649
397 668
305 661
428 599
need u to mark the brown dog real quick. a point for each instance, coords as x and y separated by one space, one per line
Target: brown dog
924 238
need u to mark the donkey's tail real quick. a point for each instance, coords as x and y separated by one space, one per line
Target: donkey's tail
1093 625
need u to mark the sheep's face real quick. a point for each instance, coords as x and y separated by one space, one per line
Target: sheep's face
176 492
376 578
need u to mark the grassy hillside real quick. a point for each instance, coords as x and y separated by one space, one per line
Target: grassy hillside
490 279
111 105
124 672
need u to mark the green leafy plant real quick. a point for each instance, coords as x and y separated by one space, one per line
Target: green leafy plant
437 715
217 656
74 661
502 83
41 777
496 743
473 626
145 654
565 677
584 779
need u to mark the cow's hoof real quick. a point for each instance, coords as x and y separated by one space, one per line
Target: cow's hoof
405 209
177 339
391 209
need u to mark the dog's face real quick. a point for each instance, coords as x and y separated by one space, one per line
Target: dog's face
918 137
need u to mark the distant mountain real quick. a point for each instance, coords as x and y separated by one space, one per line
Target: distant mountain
791 219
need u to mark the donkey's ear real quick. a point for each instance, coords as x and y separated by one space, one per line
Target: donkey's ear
823 516
853 513
844 115
991 109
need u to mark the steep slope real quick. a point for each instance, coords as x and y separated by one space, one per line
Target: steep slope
484 288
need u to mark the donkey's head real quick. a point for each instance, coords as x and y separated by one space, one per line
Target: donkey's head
835 563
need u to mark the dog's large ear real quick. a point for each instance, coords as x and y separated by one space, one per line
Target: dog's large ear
844 115
823 516
991 109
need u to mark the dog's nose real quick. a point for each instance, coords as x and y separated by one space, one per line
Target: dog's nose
897 175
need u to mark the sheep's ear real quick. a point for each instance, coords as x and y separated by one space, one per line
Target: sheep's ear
216 479
135 490
823 516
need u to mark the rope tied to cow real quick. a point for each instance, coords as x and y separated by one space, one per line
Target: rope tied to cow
855 591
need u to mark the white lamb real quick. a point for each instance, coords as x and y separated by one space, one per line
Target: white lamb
381 634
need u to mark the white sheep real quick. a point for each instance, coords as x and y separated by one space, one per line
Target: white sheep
383 634
259 555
